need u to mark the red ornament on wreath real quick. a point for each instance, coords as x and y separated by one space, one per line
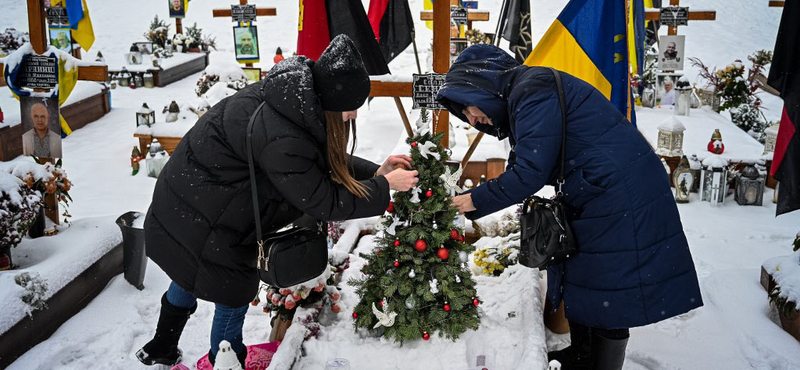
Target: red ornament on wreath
454 234
390 208
396 263
414 144
355 315
443 253
476 302
426 336
446 307
429 193
397 242
420 245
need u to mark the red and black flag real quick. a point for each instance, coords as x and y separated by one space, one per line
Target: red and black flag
784 76
322 20
392 24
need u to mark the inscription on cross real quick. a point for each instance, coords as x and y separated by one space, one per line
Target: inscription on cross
675 15
244 13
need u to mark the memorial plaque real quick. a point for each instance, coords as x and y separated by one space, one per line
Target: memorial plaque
57 15
674 16
424 90
38 72
459 15
243 13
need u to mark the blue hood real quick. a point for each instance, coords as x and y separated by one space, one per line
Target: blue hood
481 76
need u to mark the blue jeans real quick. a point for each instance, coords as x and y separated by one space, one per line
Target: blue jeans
227 324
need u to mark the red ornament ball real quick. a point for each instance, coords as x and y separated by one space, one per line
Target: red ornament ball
355 315
454 234
397 242
379 251
443 253
420 245
426 336
380 303
414 144
390 208
447 307
476 302
429 193
396 263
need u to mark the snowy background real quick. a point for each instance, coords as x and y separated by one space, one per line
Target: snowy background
736 329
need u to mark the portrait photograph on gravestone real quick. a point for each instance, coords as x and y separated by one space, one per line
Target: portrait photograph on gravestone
246 42
177 8
665 88
252 74
61 38
145 47
670 55
42 131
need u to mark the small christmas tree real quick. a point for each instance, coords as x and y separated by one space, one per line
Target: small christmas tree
416 281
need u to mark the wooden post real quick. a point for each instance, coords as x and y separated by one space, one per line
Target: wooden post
441 60
36 25
776 4
178 25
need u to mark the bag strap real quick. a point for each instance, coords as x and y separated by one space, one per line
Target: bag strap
253 188
562 102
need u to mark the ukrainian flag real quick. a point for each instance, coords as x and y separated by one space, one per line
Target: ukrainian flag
589 40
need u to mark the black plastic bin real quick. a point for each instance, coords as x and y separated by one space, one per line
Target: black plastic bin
134 259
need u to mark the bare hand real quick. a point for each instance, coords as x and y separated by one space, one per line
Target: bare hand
394 162
463 203
402 180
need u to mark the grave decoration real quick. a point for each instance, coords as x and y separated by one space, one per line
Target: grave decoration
749 187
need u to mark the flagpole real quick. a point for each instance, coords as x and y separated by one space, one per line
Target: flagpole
416 54
500 24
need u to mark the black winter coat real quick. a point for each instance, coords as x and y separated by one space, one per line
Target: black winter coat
200 225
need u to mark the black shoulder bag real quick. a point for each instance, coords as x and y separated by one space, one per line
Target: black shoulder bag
289 257
546 236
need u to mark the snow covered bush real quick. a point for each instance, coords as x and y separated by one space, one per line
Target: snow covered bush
19 206
497 254
230 73
11 40
749 118
158 33
35 290
47 178
197 40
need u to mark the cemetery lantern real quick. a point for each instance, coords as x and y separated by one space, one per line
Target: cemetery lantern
648 97
145 116
714 180
172 111
124 78
715 145
138 80
156 160
683 178
149 81
749 187
670 138
772 138
134 57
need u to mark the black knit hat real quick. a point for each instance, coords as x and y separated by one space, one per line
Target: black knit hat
340 79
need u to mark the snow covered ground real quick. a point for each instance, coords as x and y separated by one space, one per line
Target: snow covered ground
736 329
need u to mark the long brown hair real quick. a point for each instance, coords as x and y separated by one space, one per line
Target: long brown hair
338 135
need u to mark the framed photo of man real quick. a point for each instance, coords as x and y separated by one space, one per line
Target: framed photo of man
253 74
177 8
670 53
245 39
145 47
61 38
665 88
42 131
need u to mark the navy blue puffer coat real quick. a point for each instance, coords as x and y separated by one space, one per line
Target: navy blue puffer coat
633 266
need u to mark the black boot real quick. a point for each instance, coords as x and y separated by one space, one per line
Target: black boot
163 348
578 356
241 356
608 348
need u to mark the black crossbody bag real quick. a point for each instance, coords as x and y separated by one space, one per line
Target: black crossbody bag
288 257
546 235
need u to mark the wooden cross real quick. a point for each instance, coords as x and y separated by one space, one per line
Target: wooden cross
218 13
776 4
38 35
655 15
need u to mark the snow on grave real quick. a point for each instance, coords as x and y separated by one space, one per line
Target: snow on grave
784 289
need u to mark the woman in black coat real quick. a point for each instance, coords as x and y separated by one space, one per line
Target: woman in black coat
200 227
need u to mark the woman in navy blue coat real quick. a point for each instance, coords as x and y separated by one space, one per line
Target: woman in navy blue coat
633 265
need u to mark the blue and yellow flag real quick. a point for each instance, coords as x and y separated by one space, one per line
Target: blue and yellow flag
589 40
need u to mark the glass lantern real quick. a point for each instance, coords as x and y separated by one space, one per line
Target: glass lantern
145 116
172 112
149 81
714 180
670 138
134 57
749 187
124 78
683 178
156 159
683 100
648 97
772 138
139 80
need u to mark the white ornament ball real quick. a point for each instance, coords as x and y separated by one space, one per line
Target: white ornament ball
463 256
